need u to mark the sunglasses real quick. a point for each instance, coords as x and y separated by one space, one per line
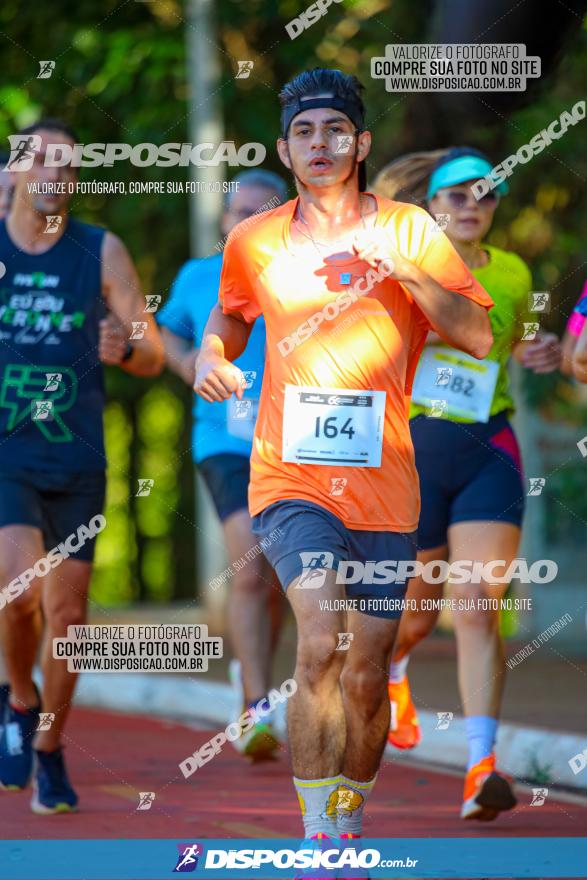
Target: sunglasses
460 199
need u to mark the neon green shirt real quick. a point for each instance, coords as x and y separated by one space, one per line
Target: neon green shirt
508 281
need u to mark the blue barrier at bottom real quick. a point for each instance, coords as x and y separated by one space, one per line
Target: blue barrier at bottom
225 859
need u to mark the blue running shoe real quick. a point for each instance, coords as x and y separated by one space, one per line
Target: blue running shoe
320 842
352 841
16 747
52 791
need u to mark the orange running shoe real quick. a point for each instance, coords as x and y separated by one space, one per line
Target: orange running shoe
487 792
404 728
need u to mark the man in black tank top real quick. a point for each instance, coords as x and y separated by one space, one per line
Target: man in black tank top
58 278
5 199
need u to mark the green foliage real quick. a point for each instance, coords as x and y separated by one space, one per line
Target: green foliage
566 505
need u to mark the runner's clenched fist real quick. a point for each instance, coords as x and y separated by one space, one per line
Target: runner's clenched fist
217 379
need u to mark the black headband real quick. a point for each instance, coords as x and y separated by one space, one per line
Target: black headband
349 106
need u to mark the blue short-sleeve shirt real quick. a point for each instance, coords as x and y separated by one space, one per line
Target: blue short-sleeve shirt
218 427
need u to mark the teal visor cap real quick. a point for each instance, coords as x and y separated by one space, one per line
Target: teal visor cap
458 171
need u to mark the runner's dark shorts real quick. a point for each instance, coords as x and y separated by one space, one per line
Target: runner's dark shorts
56 502
308 529
227 478
468 472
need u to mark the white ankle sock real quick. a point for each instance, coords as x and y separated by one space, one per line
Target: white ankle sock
318 799
397 671
481 734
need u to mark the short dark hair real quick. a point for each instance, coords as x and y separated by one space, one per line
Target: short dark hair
51 123
322 80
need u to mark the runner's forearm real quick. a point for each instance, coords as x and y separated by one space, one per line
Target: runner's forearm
458 320
146 358
180 355
121 289
225 335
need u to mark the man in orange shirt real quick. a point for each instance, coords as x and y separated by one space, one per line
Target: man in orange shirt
349 286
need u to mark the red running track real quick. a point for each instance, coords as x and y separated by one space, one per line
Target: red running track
112 757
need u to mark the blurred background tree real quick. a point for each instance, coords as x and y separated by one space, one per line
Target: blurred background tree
120 76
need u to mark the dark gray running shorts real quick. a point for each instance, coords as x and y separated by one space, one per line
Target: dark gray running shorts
302 538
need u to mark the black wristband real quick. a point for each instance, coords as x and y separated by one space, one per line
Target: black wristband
127 354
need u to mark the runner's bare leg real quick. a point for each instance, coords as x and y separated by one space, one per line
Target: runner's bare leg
65 600
20 620
316 715
481 659
249 618
416 624
365 696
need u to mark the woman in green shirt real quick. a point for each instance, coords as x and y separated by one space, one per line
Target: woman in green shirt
469 465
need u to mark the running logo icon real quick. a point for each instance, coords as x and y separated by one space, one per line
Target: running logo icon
145 487
152 302
244 69
348 801
187 861
46 68
442 221
138 329
530 331
344 641
243 409
337 485
443 375
343 802
22 152
444 719
53 381
42 410
248 379
146 799
46 719
314 570
344 143
437 408
537 484
539 796
53 223
539 301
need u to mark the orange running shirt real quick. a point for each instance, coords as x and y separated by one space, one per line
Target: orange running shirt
372 344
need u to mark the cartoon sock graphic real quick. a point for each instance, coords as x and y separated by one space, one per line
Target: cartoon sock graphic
318 799
352 797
